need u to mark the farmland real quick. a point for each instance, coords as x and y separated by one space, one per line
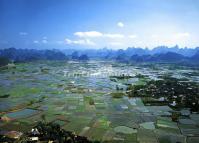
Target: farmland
102 100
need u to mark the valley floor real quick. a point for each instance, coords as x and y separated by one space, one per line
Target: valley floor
78 96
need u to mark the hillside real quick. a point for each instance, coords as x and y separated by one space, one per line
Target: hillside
22 55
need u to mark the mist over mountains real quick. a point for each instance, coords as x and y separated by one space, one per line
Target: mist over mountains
159 54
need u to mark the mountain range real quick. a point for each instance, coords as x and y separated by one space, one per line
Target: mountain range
158 54
21 55
105 52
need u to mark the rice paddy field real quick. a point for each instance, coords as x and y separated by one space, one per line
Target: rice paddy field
82 98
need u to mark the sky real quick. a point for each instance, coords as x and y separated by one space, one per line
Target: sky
115 24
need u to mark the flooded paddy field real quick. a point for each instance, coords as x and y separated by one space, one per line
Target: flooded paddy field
90 99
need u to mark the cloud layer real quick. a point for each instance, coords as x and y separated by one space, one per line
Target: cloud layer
94 34
119 38
80 42
88 34
120 24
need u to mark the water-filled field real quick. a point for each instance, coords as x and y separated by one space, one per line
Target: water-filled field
84 98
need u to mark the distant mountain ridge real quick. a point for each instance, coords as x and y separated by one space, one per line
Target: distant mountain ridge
159 54
110 53
195 57
23 55
28 55
169 57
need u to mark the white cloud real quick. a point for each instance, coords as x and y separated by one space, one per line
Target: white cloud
120 24
115 44
36 42
88 34
68 41
23 33
114 35
80 42
181 35
89 42
132 36
92 34
44 41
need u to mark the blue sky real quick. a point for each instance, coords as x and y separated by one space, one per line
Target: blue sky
98 23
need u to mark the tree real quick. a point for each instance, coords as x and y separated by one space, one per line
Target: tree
3 61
